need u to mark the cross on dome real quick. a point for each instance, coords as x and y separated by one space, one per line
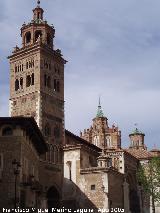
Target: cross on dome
38 3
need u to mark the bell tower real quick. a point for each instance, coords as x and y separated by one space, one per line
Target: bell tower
137 140
37 81
100 134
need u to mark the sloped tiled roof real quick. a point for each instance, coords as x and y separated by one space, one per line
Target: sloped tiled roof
140 154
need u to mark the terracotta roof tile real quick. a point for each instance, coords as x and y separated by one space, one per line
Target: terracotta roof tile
140 153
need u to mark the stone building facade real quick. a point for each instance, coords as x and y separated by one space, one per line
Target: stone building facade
20 140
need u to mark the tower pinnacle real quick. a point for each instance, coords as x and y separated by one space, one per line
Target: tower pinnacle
99 111
38 13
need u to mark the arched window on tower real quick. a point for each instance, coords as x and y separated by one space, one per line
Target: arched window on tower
38 34
96 140
38 15
55 85
21 83
28 37
7 131
32 77
49 81
16 85
109 141
27 65
47 130
28 81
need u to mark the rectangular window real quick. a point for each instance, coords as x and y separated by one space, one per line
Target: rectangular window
93 187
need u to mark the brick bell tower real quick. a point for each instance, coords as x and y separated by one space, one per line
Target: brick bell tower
100 134
137 140
37 82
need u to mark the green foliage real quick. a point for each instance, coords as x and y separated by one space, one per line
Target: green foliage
149 177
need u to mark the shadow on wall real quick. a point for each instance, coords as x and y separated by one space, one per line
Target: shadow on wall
73 198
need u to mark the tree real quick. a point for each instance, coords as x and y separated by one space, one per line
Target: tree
149 178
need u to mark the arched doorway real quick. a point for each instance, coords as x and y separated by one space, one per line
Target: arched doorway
133 194
53 198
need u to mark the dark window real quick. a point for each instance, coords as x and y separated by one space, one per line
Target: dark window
55 85
47 130
93 187
28 81
16 85
27 65
28 37
38 34
38 15
30 65
32 78
22 67
21 83
56 132
7 131
15 68
49 82
33 63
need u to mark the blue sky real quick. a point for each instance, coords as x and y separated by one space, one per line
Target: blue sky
113 50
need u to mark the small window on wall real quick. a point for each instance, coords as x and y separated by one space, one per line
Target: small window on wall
28 81
15 68
32 78
7 131
27 65
93 187
57 132
47 130
49 81
55 84
38 34
28 37
69 170
16 85
21 83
